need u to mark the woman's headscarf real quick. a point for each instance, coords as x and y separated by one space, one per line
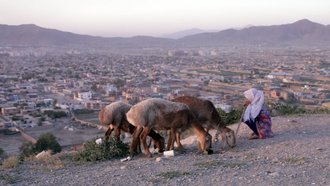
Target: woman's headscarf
256 97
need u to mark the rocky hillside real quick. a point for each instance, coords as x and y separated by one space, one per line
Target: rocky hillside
299 154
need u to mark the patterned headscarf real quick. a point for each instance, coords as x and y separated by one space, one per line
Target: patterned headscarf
256 97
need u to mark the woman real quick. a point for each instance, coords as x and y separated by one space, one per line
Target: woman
256 115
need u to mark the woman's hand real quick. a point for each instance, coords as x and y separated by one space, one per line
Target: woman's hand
246 102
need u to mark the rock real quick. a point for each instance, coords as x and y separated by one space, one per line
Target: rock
293 121
70 129
275 174
43 154
169 153
99 141
159 159
126 159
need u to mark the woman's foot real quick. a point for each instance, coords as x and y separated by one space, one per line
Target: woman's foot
253 136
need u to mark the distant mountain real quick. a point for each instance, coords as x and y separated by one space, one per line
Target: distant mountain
242 27
32 35
183 33
303 32
300 33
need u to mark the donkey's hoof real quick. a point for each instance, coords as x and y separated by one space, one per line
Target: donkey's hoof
210 151
149 155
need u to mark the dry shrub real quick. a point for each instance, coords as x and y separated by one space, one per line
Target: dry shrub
10 162
26 150
173 174
49 162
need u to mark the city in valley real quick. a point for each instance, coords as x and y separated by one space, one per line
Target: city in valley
32 86
164 92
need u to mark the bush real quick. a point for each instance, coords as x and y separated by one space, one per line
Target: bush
2 152
26 150
282 108
56 114
103 151
232 117
47 141
83 111
276 109
2 155
16 118
319 111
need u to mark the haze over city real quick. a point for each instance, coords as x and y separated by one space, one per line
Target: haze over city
156 18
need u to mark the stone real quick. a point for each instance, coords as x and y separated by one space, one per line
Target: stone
169 153
275 174
44 153
99 141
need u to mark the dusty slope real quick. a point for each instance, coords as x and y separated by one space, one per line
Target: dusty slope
299 154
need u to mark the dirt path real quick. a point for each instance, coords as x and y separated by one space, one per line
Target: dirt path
299 154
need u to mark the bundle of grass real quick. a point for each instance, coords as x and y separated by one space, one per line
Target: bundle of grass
103 151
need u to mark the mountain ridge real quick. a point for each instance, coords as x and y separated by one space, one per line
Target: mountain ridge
183 33
299 32
302 32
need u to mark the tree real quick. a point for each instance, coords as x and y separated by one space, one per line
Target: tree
47 141
55 102
119 82
26 150
1 152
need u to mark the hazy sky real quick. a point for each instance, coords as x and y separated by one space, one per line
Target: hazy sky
157 17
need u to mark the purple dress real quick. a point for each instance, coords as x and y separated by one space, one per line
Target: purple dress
264 124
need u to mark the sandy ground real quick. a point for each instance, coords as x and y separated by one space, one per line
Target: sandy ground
298 154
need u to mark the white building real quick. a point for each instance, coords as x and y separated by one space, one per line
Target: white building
111 89
83 96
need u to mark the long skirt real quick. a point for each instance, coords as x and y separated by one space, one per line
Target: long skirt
262 125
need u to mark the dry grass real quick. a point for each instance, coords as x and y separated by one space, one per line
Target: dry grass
172 174
219 163
50 162
10 162
47 162
295 160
